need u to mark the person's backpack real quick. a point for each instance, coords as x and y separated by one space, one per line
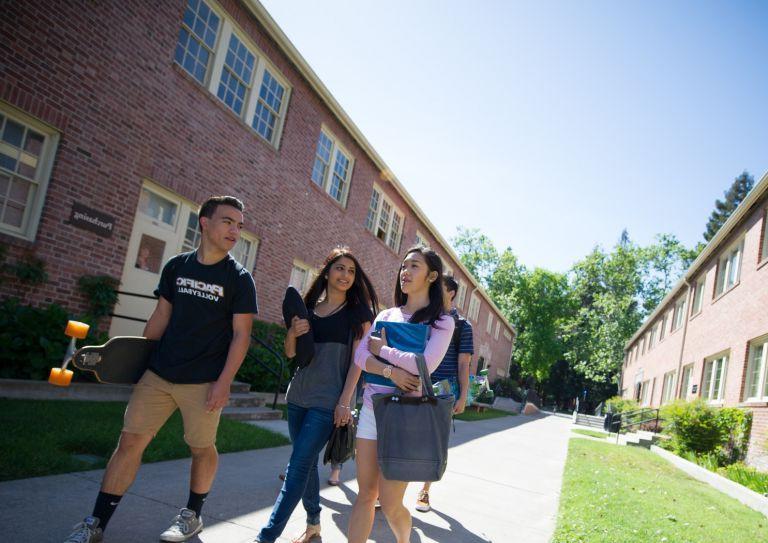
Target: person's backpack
460 323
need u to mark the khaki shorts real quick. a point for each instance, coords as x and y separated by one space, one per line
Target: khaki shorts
154 400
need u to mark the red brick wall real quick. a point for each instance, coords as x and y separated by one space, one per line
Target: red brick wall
102 74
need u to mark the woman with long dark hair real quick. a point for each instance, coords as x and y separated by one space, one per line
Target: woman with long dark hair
341 301
418 299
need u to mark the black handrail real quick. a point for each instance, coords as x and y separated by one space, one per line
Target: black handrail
625 423
281 361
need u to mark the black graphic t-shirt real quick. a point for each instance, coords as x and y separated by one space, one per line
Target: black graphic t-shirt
195 344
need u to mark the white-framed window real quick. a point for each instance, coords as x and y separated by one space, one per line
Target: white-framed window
757 371
498 328
461 295
508 335
222 58
729 268
421 239
698 295
652 336
269 113
764 249
643 344
474 307
27 149
447 270
685 385
663 329
332 169
668 387
489 323
302 276
714 378
384 219
244 250
197 39
237 75
679 314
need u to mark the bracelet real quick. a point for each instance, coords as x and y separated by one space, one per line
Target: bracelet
344 406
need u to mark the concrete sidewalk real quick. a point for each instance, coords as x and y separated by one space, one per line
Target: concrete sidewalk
503 481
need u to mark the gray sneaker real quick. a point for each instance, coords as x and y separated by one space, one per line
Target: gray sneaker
87 531
185 526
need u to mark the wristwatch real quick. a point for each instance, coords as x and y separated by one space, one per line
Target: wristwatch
387 372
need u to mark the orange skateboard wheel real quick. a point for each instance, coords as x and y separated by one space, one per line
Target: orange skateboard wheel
60 377
76 329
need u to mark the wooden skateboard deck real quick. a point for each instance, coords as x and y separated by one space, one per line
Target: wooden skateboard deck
121 360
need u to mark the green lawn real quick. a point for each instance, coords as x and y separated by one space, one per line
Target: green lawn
40 437
615 494
591 433
470 414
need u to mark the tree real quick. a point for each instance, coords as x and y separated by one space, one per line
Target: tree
723 208
663 263
477 252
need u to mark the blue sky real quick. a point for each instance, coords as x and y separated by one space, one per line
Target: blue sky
550 126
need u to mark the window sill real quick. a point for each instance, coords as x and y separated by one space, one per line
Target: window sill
322 190
753 403
717 403
763 263
380 240
719 296
694 315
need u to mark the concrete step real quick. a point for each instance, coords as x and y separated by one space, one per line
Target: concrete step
239 399
238 387
251 413
635 440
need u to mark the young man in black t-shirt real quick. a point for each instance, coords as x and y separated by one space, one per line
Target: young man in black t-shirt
203 321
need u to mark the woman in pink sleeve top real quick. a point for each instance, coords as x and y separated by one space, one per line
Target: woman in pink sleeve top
419 299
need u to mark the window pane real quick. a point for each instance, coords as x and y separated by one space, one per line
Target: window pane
268 109
13 133
754 371
157 207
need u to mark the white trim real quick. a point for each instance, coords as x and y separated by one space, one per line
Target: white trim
498 328
474 307
678 314
711 364
685 386
761 371
668 387
326 178
461 295
39 184
301 276
489 323
384 226
698 295
726 278
421 239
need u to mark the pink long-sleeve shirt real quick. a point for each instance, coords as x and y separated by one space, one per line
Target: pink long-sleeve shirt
437 345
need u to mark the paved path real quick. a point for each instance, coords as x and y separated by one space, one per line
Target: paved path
502 483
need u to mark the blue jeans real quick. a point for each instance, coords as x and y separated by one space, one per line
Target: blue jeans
309 430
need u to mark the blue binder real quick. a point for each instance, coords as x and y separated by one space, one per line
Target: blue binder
403 336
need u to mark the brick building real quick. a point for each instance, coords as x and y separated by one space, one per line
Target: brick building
708 338
117 119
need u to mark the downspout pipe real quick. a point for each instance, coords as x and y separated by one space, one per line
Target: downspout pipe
688 306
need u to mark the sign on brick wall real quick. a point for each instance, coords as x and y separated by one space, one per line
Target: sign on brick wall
92 220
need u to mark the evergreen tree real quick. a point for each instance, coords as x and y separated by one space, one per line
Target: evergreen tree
723 208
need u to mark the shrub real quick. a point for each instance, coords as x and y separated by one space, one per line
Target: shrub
617 404
507 388
735 425
693 426
254 373
100 293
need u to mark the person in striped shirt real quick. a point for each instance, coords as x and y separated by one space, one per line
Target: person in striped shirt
454 367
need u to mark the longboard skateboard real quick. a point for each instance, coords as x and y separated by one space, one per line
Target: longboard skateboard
121 360
293 306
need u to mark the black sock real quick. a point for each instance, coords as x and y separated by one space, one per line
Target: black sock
105 506
196 502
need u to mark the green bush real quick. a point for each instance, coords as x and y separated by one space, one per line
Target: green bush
507 388
617 404
693 426
100 293
736 425
254 373
32 339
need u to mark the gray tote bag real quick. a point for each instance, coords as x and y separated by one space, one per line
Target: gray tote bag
412 432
